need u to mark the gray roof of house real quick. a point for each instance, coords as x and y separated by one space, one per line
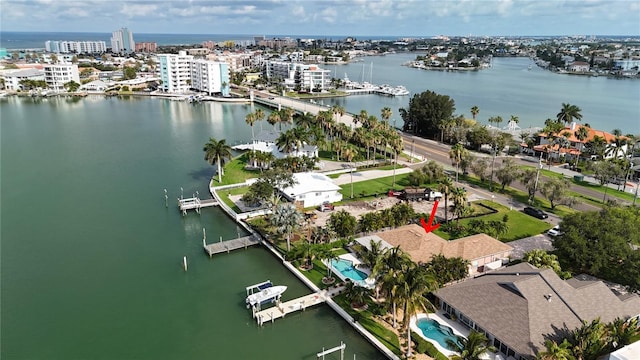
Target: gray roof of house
522 305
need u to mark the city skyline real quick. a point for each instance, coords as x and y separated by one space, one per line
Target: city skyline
328 17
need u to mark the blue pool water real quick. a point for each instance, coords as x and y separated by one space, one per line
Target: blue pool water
436 331
345 267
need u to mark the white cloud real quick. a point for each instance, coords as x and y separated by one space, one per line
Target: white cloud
132 10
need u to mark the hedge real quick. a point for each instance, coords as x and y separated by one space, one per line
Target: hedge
425 347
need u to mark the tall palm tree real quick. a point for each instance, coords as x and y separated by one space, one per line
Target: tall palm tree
581 134
495 119
456 154
474 111
216 152
338 110
397 145
470 348
568 113
357 295
250 119
460 206
386 114
274 117
305 120
287 116
416 283
394 262
286 218
445 187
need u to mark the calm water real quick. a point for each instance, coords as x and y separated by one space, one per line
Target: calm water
507 88
91 258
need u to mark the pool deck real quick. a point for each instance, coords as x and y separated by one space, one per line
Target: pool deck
369 283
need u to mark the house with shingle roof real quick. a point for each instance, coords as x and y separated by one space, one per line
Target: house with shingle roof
521 306
481 250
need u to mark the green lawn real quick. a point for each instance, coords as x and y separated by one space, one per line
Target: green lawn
520 224
369 188
224 196
234 172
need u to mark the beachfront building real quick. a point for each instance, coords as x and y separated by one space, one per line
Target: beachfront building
312 189
122 41
521 306
77 47
483 252
175 72
210 76
12 77
56 75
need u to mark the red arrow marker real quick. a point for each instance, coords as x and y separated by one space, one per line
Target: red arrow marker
427 226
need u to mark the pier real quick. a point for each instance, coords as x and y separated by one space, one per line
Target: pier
282 309
229 245
195 203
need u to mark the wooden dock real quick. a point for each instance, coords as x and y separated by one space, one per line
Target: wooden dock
228 245
195 203
282 309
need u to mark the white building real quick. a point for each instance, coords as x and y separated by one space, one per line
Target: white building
175 72
12 78
122 41
210 76
78 47
304 76
312 189
56 75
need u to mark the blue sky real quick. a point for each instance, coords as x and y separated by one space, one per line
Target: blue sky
327 17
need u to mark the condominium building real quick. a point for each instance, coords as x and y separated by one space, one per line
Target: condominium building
210 77
56 75
78 47
175 72
12 78
296 75
146 47
122 41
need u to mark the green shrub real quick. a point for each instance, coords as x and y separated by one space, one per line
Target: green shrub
425 347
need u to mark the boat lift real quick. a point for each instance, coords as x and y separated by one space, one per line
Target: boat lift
329 351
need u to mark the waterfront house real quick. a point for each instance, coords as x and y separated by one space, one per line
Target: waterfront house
579 66
483 252
312 189
13 77
265 141
521 306
56 75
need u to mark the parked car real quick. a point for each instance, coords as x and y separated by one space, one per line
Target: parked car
554 231
537 213
326 206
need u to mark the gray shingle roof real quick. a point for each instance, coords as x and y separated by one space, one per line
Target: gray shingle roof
522 305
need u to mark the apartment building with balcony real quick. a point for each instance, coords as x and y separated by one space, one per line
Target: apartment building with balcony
175 72
299 76
211 77
56 75
122 41
78 47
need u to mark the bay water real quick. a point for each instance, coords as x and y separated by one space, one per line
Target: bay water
91 256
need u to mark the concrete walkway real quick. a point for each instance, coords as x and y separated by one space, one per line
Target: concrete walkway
368 175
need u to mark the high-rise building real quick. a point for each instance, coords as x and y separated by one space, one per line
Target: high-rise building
146 47
122 41
175 72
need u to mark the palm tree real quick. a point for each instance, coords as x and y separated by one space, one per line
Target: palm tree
393 263
555 351
460 203
474 111
250 119
357 295
288 142
445 187
456 154
217 152
622 333
397 145
581 134
415 284
338 110
286 116
274 118
568 113
495 119
386 114
286 218
349 153
470 348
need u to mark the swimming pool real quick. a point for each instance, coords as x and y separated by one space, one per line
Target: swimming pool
346 268
435 331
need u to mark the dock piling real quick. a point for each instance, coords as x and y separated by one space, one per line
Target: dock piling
184 262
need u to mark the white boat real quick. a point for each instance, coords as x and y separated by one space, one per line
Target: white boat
269 294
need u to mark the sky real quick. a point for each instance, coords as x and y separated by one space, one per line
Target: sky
327 17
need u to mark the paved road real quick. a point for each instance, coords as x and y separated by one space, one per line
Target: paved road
433 150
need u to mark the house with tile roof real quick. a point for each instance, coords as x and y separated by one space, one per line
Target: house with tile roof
521 306
481 250
576 146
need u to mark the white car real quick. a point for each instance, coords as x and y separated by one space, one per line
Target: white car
554 231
